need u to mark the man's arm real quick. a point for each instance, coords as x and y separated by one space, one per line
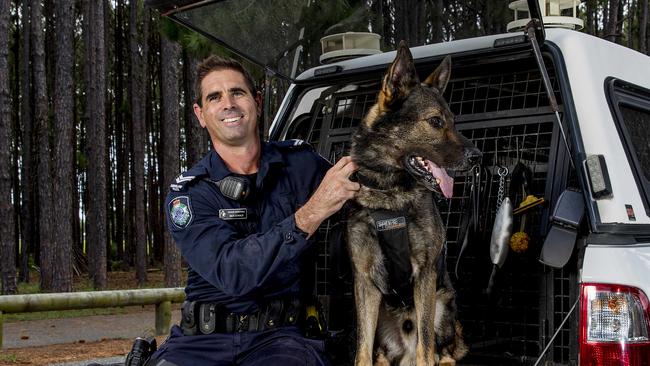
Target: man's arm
240 264
329 197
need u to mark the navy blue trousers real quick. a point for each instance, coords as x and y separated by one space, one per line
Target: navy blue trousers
282 346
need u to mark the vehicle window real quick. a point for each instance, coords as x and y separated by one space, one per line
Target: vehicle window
631 108
637 122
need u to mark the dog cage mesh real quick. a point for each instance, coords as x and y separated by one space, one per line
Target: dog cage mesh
505 91
506 115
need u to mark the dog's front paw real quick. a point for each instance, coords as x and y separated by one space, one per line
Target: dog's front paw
447 361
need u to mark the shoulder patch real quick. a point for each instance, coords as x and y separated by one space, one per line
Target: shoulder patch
182 180
180 211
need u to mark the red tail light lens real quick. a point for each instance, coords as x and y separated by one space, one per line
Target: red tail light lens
614 326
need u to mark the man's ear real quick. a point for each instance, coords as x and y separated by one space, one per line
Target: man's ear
399 79
440 76
198 112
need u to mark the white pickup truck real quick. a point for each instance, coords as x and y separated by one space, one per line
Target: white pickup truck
575 292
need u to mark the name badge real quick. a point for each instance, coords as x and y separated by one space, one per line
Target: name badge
233 214
391 224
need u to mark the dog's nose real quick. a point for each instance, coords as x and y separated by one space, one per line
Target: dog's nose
473 155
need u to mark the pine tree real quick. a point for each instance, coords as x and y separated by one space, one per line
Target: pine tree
7 245
169 56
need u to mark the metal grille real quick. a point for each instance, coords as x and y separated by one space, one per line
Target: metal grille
512 325
506 324
499 92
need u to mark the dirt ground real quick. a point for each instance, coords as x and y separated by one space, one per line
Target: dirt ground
59 353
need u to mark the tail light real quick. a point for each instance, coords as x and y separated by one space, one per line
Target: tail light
614 326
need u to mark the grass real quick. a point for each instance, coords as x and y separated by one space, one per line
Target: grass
9 358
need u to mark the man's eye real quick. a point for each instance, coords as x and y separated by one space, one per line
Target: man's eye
436 122
213 98
238 93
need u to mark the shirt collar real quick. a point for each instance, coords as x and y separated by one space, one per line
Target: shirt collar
218 170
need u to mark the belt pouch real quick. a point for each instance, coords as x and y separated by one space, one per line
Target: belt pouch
291 311
188 318
207 318
271 315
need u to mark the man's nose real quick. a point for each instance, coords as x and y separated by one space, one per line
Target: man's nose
228 101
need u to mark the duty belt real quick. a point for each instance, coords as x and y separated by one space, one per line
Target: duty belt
209 317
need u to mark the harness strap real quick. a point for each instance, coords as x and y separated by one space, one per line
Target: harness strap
392 232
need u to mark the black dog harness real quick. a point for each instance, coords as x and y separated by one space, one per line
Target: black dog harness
392 233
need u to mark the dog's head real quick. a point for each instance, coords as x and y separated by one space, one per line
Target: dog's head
411 127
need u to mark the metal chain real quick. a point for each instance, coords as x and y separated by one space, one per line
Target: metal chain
503 172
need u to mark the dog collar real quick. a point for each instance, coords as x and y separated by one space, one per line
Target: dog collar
368 182
374 184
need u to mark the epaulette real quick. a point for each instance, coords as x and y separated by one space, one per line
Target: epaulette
293 144
181 182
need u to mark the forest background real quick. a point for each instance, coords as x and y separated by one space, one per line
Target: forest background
96 119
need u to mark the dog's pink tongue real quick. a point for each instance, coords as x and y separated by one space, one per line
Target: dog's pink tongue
446 182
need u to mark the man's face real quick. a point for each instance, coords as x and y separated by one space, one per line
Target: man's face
229 110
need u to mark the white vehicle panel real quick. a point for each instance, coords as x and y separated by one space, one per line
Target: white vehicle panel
589 61
618 264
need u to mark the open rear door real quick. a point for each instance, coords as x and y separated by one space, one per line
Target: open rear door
281 36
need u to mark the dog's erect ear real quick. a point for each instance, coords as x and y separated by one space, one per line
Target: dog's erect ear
440 76
399 79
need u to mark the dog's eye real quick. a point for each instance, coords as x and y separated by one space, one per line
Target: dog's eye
436 122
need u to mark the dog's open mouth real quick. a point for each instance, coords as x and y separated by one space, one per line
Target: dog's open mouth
433 177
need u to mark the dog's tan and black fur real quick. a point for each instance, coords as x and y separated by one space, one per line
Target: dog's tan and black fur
408 134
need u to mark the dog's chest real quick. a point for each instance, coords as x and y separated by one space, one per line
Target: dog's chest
416 234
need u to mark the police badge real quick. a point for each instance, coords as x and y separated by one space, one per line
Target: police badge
180 212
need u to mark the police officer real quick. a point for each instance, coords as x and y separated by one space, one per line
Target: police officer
242 218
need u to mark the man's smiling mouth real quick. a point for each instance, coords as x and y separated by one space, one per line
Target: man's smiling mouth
232 119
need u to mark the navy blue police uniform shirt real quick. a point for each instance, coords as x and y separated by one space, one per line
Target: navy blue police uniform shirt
241 253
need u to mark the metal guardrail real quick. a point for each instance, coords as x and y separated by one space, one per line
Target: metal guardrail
161 297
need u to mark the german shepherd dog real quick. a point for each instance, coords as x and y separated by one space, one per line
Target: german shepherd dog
402 148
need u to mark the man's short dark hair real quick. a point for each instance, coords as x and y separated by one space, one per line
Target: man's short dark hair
216 63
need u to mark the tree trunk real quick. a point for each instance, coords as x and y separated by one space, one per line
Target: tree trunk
15 127
169 55
410 22
591 9
156 160
435 11
45 203
138 73
620 17
611 27
630 23
119 123
643 26
64 176
7 245
197 138
95 57
27 207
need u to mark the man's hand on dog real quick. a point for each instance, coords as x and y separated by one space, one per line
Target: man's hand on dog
331 194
